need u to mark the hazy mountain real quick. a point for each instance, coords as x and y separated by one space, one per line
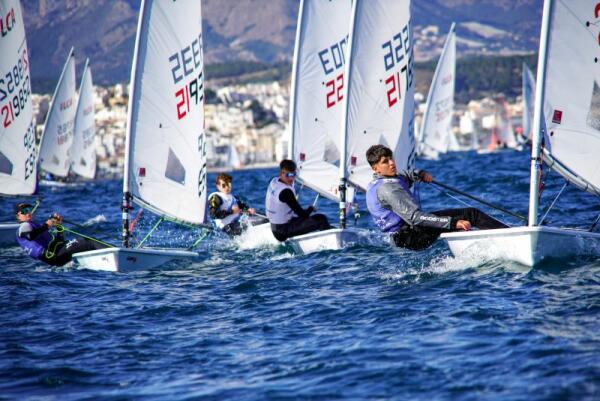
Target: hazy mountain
255 30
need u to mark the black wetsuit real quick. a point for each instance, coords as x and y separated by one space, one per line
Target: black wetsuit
421 228
304 223
59 252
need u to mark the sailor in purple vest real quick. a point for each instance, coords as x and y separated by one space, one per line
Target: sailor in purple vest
395 209
40 244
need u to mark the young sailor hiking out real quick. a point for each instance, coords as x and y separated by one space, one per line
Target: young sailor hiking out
288 219
226 209
395 209
39 243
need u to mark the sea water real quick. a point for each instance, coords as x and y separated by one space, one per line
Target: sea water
252 321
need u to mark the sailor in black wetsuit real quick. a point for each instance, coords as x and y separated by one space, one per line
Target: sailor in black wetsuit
40 244
226 209
288 219
395 209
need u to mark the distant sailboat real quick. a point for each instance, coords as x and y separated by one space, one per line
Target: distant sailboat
57 137
165 162
83 151
567 116
18 151
436 129
528 102
233 158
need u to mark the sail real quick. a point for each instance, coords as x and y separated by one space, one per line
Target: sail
58 130
437 121
379 95
166 147
18 151
83 152
505 130
528 101
317 92
233 158
572 96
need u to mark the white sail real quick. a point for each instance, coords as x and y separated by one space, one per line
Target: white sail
233 158
18 151
528 101
166 156
436 129
504 128
83 152
379 93
58 130
572 93
318 82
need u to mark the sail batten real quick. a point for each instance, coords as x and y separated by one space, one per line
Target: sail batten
166 150
18 150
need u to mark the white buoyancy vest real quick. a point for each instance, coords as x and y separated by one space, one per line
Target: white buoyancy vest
278 212
227 202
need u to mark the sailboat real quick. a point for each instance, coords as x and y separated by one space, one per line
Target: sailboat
528 102
233 158
567 95
165 159
436 134
83 151
18 150
372 82
57 137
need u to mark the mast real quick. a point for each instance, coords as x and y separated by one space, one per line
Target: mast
294 92
125 205
344 131
536 141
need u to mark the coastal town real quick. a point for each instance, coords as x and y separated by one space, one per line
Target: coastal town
251 121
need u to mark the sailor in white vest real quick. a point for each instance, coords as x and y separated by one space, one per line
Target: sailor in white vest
226 209
288 219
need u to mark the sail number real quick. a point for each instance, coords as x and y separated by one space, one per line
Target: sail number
397 60
14 91
29 144
332 59
186 67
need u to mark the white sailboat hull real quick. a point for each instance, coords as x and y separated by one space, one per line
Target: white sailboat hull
329 240
129 259
8 234
526 245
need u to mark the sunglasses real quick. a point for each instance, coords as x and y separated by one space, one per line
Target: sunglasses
290 175
26 210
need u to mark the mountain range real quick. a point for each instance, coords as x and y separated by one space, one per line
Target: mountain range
256 30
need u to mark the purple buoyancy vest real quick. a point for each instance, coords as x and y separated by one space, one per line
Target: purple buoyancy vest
35 248
386 219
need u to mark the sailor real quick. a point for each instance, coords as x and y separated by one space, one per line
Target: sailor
395 209
288 219
226 209
39 243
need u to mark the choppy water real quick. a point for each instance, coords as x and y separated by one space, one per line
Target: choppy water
260 323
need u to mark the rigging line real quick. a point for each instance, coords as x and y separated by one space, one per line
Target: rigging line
316 200
150 232
594 224
204 234
553 202
476 199
60 228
